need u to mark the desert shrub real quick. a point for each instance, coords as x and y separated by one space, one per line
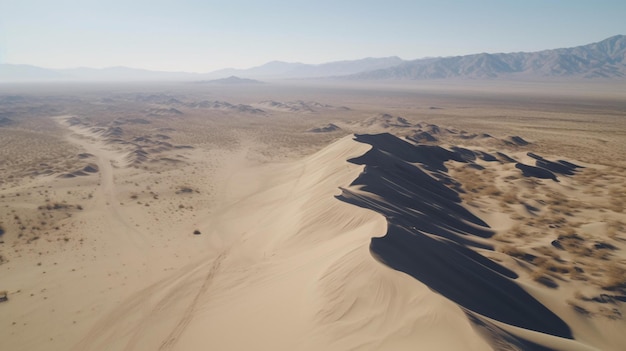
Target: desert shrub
555 267
513 251
184 190
501 238
617 205
557 199
614 228
615 278
55 206
547 251
577 274
492 190
517 231
578 308
510 197
541 277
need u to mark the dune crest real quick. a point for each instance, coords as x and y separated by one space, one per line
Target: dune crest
293 270
166 217
432 237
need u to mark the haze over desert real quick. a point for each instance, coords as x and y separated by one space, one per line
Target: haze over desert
312 175
313 215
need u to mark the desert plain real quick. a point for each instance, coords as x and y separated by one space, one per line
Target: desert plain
308 215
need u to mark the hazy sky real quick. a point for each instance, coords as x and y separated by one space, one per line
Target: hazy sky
204 35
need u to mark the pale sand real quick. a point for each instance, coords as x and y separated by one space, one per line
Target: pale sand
282 263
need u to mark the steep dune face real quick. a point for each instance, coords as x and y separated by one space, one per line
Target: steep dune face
430 235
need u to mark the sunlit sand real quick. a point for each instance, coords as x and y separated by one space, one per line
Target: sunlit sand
445 216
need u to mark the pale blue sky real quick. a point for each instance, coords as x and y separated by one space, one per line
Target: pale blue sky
201 36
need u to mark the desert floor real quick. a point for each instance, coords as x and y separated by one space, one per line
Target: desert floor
490 215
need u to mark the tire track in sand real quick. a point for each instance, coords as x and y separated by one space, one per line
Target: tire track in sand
180 327
105 331
107 188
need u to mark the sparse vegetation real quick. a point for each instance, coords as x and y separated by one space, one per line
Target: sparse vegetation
615 278
552 243
542 278
510 197
578 308
185 190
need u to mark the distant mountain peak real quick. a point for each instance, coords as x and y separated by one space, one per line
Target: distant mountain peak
232 80
604 59
291 70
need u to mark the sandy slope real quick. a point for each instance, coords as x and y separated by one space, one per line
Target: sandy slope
113 249
286 261
291 270
280 261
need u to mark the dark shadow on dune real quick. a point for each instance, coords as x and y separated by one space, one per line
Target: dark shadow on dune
535 172
431 237
560 166
505 158
431 157
546 169
501 339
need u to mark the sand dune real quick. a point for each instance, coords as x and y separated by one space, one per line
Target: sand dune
325 129
422 211
297 257
293 270
300 106
210 229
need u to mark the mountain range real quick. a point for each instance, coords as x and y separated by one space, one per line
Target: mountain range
278 69
270 70
605 59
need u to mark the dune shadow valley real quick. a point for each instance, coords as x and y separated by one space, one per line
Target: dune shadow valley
316 214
